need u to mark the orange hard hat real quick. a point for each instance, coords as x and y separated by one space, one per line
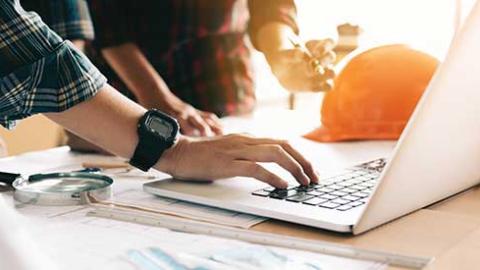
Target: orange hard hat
375 94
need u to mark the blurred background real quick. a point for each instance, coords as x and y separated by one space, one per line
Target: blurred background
428 25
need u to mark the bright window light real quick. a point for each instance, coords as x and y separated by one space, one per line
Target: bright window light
424 24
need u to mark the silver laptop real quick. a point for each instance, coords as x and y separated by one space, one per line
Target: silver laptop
437 156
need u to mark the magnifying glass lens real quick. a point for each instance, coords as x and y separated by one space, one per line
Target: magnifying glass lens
62 188
65 185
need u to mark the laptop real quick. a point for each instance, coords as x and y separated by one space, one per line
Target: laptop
437 156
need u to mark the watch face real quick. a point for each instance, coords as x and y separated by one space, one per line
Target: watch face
160 126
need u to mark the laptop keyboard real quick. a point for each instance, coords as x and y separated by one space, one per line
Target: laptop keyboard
342 192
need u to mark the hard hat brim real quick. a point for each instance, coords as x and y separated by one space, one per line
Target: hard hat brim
324 134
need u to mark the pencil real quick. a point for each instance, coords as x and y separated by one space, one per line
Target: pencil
314 63
106 165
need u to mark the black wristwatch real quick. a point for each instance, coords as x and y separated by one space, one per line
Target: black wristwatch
156 133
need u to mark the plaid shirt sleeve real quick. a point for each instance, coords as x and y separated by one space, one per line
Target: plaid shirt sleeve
38 71
70 19
266 11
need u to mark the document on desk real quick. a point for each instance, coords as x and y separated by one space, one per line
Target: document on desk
139 200
16 241
76 241
237 257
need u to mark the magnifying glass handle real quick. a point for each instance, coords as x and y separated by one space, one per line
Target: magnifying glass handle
8 178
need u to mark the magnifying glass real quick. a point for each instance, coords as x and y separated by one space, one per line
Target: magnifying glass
69 188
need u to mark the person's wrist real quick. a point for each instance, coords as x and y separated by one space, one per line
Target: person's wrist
275 37
168 161
157 97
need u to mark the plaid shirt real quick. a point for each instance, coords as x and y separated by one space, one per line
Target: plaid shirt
198 46
38 71
70 19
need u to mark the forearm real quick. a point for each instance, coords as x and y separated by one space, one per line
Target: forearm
151 91
137 73
108 120
274 36
274 15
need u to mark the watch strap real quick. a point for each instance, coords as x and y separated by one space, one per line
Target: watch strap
143 158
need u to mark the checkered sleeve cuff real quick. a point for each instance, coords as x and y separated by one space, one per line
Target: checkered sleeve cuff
54 83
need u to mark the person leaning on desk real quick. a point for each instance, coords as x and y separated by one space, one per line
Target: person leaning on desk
199 49
189 59
41 73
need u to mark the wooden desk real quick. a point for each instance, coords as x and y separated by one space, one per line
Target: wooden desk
448 231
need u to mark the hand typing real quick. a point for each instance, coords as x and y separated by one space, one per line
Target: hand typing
235 155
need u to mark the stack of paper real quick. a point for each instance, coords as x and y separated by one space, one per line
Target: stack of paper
137 200
76 241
